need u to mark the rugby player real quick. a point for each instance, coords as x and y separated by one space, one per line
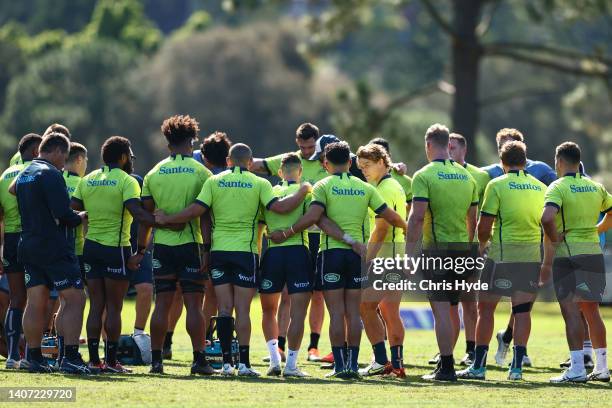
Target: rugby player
170 186
234 197
510 219
112 199
443 223
344 199
13 268
55 127
384 241
573 205
404 180
46 250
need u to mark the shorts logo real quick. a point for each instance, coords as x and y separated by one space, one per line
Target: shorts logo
192 270
60 283
27 278
301 284
217 274
331 277
361 279
246 278
87 267
266 284
503 283
114 270
5 262
393 277
583 287
156 264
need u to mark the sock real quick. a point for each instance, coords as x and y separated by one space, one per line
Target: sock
199 357
138 331
507 336
447 363
601 359
281 342
292 357
380 353
397 356
470 346
12 330
314 341
587 348
110 356
577 359
92 346
72 352
36 354
517 358
168 340
225 332
60 349
244 355
156 356
352 362
480 356
338 352
275 358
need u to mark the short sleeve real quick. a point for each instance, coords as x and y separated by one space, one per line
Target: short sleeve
420 188
266 194
146 190
78 192
205 198
204 174
553 197
407 186
490 205
273 164
319 195
377 202
606 204
131 189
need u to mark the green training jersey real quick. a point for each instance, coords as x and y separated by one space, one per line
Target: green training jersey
312 171
392 192
8 202
579 200
16 159
234 198
405 182
346 200
104 193
482 179
173 184
450 190
515 200
72 181
277 222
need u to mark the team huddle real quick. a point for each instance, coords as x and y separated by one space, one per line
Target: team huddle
202 230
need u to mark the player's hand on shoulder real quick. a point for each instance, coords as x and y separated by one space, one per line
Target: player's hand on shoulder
401 168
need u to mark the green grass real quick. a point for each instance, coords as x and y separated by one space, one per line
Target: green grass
176 388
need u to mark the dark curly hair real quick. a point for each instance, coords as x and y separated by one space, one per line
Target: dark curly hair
113 148
180 128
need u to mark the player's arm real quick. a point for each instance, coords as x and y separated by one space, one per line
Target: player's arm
471 220
54 189
310 218
605 224
408 206
259 166
381 227
393 218
134 206
291 202
1 239
195 210
485 226
415 225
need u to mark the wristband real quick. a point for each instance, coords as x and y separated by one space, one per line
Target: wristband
284 235
347 239
292 231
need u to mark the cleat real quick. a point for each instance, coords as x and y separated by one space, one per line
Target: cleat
76 366
12 364
351 375
24 364
157 368
375 369
602 376
313 355
502 349
39 367
96 368
201 369
527 361
333 374
274 371
471 373
439 375
116 369
569 377
435 359
244 371
467 360
227 370
328 358
515 374
294 372
588 363
397 373
167 353
328 366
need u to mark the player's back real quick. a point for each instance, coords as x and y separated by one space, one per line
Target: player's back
12 220
395 198
276 222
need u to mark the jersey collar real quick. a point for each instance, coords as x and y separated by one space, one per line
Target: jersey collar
71 173
238 169
287 182
174 156
518 172
575 175
443 161
340 174
386 176
109 168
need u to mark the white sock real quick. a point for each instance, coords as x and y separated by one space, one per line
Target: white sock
601 359
587 348
138 331
275 358
292 359
577 359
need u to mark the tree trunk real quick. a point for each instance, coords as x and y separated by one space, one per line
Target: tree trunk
466 56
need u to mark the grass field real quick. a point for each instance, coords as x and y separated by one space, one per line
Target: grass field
176 388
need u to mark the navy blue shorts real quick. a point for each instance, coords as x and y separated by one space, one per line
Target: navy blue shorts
286 265
580 278
235 267
340 268
101 261
181 261
507 278
59 275
10 261
144 274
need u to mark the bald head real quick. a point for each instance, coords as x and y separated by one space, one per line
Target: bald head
240 155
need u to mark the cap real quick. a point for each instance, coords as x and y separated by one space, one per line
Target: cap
320 145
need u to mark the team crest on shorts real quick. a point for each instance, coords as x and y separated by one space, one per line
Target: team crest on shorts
216 274
503 283
266 284
331 277
156 264
5 263
393 277
27 278
87 267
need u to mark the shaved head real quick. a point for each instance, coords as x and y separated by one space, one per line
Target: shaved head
240 154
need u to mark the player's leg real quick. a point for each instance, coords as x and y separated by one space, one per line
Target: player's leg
597 330
115 290
70 315
142 280
455 322
295 332
269 324
485 325
14 316
242 305
176 310
390 309
444 337
165 290
375 331
521 309
209 308
97 301
504 338
470 315
193 297
574 332
34 323
282 318
4 305
316 317
335 303
59 329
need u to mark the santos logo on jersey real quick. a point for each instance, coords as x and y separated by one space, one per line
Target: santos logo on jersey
583 189
176 170
523 186
347 191
451 176
235 184
101 183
